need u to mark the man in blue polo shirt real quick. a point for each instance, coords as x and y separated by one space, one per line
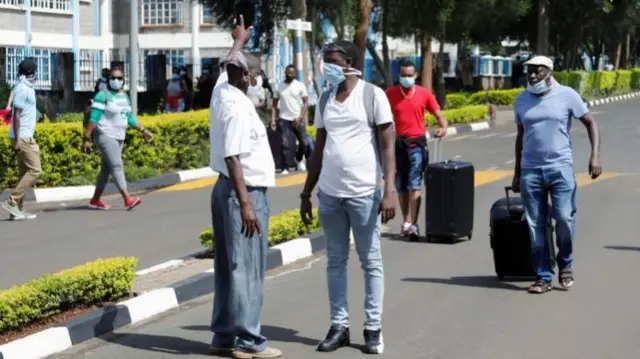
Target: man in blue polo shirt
21 135
544 166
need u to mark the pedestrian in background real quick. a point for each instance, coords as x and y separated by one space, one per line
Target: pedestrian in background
27 151
111 114
175 93
409 102
239 208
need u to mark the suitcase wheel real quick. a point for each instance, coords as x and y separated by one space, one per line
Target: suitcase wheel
500 276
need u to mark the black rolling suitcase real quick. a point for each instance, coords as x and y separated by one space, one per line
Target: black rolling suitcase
450 198
510 238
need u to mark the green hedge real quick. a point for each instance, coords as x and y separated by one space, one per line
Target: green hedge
283 227
100 281
181 142
590 85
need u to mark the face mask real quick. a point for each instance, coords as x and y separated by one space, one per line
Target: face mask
258 82
289 79
182 73
407 82
175 77
103 78
116 84
333 73
539 87
205 72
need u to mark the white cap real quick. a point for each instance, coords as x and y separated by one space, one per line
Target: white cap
540 61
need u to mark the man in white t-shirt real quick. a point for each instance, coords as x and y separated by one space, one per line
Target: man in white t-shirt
290 109
240 153
354 145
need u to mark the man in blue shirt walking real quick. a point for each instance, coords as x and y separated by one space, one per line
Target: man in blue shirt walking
544 166
21 135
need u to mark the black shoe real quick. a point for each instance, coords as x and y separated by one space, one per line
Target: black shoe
337 338
373 343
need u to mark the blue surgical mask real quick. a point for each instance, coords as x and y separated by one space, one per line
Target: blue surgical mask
333 73
407 82
539 87
116 84
175 77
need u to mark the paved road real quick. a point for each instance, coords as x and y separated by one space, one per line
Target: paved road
443 301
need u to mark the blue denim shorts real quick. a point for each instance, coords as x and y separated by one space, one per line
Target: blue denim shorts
410 179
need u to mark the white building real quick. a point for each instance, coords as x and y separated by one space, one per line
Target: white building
97 32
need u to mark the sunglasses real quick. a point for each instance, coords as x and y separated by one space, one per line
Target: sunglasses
117 78
334 48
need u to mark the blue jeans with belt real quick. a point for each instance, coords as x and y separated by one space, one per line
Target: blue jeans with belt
339 217
239 269
536 185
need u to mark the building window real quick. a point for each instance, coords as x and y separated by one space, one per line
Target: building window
161 12
207 16
47 5
42 57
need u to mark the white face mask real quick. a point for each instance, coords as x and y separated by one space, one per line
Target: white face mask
258 82
116 84
540 86
182 73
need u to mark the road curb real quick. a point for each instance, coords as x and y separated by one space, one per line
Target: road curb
596 103
104 320
75 193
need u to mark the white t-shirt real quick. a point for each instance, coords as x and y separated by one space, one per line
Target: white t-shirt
350 167
224 77
236 129
290 99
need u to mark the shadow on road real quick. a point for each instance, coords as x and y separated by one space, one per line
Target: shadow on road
624 248
161 344
469 281
273 333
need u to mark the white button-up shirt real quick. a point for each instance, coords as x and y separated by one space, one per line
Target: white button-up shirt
236 130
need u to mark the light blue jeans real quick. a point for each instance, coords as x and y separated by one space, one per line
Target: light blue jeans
536 185
338 217
239 268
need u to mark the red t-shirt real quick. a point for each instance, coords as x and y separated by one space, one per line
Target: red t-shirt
408 111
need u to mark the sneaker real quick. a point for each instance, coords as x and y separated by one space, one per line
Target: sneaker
221 351
13 209
302 167
267 353
132 202
284 172
404 230
28 215
373 343
337 337
566 278
98 204
414 232
540 286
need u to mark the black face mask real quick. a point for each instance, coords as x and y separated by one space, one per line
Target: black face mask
288 79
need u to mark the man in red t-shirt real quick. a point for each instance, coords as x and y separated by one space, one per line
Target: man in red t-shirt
409 103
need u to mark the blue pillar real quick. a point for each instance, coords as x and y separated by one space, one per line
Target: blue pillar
75 31
299 54
27 25
96 17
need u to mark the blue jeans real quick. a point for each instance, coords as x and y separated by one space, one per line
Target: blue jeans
338 217
410 171
536 186
239 267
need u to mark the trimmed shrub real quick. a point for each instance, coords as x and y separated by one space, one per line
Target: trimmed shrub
456 100
283 227
461 115
100 281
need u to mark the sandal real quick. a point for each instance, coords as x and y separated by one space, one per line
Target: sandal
566 278
540 286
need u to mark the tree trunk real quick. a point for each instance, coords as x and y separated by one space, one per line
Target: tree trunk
627 51
543 28
312 17
618 54
364 8
378 61
440 88
427 62
385 44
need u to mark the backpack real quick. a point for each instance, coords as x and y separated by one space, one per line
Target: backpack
87 110
368 95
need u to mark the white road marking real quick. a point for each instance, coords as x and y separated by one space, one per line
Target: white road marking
458 138
488 135
507 135
509 161
492 168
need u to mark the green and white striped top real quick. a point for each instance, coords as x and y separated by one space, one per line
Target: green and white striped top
111 112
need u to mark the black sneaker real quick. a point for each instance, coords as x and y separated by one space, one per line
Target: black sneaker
337 338
373 343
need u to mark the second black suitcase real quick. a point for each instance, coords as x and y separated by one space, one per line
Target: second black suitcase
450 199
510 238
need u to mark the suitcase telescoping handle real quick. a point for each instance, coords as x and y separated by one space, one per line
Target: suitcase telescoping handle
508 189
437 150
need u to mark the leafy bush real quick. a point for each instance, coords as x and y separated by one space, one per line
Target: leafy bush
456 100
100 281
283 227
70 117
462 115
496 97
